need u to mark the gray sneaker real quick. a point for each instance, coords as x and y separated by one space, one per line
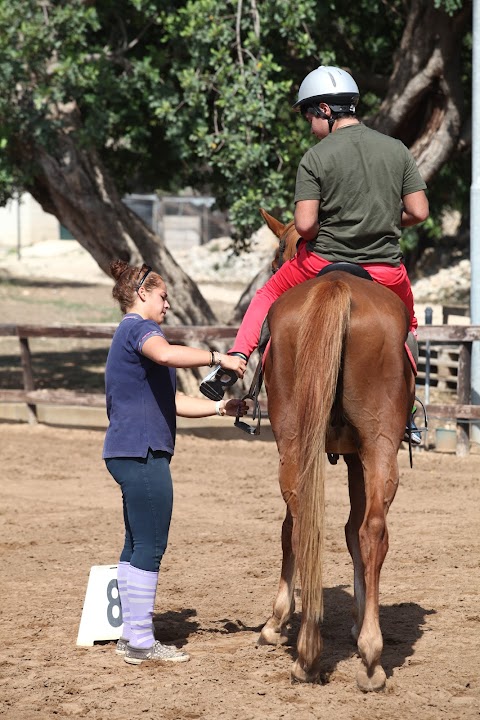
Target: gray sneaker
412 433
167 653
121 646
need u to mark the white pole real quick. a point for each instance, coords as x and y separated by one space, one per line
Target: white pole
475 212
19 226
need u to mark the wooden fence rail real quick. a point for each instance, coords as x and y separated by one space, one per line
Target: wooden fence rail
463 412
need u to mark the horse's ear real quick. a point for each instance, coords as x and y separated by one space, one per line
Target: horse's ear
275 225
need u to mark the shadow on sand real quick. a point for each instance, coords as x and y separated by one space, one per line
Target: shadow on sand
402 626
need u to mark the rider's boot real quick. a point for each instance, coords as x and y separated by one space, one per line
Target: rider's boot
412 433
213 386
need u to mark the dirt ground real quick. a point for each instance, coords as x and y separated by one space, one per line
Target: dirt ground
61 514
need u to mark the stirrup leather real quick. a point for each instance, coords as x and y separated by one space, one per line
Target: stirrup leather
253 394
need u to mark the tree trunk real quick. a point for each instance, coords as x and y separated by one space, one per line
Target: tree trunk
423 106
73 185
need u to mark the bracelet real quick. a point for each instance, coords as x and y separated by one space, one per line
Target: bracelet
220 410
214 358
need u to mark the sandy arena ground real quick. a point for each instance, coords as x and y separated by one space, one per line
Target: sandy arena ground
60 514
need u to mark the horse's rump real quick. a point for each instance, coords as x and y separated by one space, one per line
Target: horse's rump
336 328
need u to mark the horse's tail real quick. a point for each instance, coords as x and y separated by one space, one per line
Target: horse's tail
323 323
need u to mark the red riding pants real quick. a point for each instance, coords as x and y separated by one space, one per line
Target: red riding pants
303 266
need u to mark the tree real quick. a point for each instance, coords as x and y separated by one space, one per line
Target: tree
100 98
75 112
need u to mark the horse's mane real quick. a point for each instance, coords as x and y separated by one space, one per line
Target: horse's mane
287 246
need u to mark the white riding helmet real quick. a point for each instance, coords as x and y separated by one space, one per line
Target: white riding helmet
330 85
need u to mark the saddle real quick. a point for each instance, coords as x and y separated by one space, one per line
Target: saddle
349 267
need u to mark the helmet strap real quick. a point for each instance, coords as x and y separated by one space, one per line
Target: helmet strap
329 118
318 112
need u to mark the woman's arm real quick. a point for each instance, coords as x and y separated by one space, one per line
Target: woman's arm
191 407
181 356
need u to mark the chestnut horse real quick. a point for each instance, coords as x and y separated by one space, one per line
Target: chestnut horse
338 382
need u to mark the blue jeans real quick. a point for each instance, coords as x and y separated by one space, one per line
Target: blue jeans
147 494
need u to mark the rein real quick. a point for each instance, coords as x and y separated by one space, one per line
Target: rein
281 250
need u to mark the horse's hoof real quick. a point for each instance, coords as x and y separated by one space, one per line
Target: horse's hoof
373 681
271 637
298 674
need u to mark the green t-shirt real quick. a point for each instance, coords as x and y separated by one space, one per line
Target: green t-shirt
359 177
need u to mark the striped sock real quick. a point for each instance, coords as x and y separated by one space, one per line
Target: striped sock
122 572
142 587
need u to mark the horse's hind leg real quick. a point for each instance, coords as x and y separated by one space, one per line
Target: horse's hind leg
284 604
356 490
381 480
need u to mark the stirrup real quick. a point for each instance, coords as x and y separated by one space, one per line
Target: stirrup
413 434
213 386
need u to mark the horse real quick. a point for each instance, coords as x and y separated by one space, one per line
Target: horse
338 382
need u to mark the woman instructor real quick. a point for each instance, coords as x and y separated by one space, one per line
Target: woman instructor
142 404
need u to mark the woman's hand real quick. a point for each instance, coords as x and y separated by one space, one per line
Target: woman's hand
233 362
234 407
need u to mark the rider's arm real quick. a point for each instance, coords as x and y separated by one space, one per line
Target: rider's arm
306 218
415 208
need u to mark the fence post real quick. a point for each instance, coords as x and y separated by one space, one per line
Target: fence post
428 321
463 393
28 383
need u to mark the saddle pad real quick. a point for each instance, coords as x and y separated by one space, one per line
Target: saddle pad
412 361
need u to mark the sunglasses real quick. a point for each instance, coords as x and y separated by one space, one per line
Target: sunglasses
148 270
311 110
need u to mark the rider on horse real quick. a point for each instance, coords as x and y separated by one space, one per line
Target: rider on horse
354 192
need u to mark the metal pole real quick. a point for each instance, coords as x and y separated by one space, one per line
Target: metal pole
19 228
475 212
428 321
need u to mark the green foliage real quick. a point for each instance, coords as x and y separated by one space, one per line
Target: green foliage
175 93
75 54
450 6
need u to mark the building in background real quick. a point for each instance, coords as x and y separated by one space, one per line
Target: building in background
182 220
23 222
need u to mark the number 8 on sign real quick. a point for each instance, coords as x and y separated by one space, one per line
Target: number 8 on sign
114 609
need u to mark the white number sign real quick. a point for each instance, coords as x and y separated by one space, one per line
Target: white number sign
102 614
